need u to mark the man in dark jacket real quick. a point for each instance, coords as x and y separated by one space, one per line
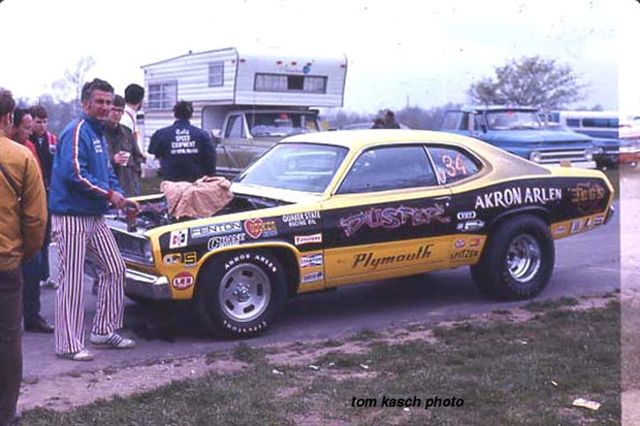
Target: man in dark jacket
83 186
186 153
123 150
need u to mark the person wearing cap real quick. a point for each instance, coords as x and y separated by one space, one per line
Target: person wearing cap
186 153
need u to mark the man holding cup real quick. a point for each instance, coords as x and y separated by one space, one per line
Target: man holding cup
123 149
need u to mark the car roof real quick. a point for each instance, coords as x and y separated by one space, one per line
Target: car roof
356 139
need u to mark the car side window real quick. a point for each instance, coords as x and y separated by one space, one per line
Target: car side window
234 127
387 168
452 164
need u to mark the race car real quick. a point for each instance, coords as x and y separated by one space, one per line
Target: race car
329 209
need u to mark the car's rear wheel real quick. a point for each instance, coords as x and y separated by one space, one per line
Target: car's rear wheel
518 259
239 293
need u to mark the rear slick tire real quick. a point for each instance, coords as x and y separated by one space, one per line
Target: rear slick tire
518 259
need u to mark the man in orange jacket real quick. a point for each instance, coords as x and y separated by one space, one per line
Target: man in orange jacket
23 219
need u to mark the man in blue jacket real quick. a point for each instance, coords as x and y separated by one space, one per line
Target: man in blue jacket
83 186
186 153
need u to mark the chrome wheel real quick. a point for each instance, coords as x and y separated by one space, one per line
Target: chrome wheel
523 258
245 292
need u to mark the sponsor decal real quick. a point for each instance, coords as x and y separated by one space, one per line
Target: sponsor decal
576 226
314 276
464 254
300 240
311 260
188 259
182 281
368 259
178 239
589 223
215 229
587 196
517 196
470 225
296 220
459 244
466 215
256 228
560 230
225 241
474 242
598 220
393 217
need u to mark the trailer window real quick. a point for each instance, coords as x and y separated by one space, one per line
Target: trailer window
216 74
290 83
162 95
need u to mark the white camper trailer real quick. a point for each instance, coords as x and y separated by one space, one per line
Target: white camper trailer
247 100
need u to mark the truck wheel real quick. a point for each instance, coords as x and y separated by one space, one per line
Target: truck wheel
239 293
518 259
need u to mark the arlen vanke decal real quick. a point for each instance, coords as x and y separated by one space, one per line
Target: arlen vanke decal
296 220
517 196
393 217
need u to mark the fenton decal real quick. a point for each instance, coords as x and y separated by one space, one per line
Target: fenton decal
515 196
225 241
215 229
368 259
587 196
393 217
296 220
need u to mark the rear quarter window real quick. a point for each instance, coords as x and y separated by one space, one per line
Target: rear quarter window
453 165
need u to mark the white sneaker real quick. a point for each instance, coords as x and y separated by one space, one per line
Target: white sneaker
113 340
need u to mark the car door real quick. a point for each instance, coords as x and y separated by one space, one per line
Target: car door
388 217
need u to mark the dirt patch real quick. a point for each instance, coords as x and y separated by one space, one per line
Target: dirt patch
65 392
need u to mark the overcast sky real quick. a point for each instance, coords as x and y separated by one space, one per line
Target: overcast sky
425 53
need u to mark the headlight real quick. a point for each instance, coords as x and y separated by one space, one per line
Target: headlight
588 155
535 157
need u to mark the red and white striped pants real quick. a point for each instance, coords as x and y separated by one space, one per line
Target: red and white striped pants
78 237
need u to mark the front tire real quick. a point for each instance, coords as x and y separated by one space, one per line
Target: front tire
239 293
518 259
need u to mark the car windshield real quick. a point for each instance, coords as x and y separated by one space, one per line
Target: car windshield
281 123
296 166
510 120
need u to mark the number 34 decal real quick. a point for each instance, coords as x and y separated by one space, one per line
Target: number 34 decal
454 166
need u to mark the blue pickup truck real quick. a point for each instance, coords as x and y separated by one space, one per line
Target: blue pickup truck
520 131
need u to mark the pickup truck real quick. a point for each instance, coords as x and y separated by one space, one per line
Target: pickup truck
520 131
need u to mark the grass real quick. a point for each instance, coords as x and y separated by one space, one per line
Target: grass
499 379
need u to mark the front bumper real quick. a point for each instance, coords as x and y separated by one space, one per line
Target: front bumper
147 286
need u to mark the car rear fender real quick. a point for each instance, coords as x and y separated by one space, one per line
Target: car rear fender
541 212
286 253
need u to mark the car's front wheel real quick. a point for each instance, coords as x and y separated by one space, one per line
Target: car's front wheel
239 293
518 259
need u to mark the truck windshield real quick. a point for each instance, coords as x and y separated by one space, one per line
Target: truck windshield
510 120
281 123
295 166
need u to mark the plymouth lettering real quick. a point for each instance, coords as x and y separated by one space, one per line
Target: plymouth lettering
365 260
